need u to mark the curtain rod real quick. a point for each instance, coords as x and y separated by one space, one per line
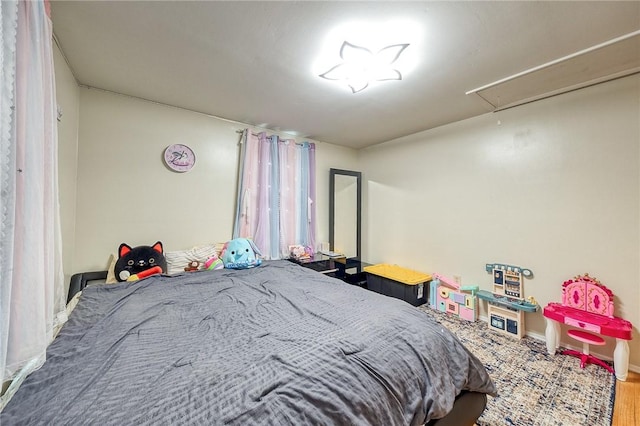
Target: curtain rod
242 131
265 131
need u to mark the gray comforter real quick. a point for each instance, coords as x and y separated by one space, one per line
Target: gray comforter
278 344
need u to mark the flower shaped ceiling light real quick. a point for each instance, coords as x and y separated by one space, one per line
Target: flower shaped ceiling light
360 66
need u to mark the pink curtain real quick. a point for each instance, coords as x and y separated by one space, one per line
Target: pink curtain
276 194
31 277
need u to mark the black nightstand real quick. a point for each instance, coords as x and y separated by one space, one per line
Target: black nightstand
320 263
351 270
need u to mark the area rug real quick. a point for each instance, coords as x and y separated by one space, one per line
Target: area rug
534 387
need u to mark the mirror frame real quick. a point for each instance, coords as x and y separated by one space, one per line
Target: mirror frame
332 206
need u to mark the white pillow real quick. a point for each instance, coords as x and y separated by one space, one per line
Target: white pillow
111 275
178 260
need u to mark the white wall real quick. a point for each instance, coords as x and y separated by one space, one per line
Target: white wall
68 99
553 186
127 194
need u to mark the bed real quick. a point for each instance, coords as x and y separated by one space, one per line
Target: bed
273 345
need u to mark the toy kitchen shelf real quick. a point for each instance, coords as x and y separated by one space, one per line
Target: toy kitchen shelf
506 304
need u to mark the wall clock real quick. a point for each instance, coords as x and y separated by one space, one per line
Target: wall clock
179 158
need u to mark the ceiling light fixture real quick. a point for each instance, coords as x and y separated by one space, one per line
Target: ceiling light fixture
360 66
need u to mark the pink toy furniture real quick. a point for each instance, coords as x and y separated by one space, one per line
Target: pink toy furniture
448 296
587 305
585 357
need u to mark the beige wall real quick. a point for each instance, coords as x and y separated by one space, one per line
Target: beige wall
553 186
126 194
68 99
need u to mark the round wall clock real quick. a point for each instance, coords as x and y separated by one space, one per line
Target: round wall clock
179 158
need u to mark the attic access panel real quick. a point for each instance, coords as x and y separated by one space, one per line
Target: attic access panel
607 61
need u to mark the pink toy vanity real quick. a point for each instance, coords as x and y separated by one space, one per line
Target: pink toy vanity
587 307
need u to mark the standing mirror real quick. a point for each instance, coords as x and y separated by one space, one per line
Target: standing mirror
345 193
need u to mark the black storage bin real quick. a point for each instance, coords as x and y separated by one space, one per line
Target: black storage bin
401 283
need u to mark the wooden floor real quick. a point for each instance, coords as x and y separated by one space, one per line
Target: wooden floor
626 411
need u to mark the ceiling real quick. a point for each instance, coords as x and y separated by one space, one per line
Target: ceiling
256 62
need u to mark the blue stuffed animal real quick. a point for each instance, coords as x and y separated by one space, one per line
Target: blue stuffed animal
240 253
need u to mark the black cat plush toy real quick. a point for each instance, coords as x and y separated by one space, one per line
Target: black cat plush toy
137 260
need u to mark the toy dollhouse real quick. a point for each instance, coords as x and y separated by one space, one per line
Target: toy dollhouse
446 295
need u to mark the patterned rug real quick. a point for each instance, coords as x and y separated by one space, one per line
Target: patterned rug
534 388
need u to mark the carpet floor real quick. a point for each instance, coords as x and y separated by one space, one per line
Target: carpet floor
534 387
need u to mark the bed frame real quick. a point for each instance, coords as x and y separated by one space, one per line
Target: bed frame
79 281
466 410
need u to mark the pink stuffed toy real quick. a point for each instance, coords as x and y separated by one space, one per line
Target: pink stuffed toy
213 263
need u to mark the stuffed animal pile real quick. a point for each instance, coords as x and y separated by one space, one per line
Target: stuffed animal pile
139 262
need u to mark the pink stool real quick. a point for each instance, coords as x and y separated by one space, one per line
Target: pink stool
587 339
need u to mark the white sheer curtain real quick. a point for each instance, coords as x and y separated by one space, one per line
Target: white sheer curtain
276 194
32 298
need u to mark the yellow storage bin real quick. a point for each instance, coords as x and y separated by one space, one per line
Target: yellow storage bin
398 282
397 273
